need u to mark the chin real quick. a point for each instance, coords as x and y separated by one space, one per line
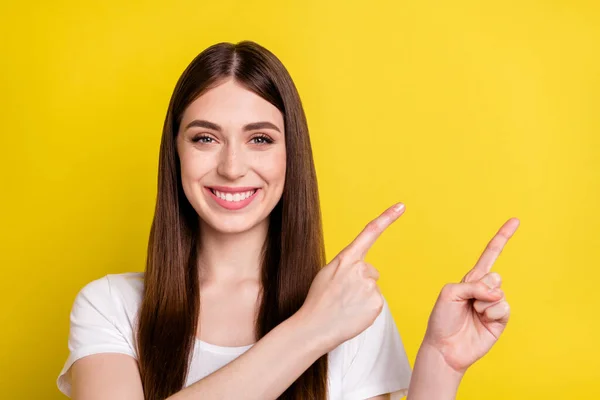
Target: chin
233 224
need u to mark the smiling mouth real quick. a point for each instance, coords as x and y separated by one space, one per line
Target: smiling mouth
233 197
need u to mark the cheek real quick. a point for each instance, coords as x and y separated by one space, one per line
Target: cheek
192 171
192 166
276 167
187 177
282 163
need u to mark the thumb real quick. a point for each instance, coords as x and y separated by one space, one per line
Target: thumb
470 290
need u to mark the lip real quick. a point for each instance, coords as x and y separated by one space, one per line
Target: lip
232 205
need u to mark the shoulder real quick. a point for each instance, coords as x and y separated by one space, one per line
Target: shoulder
103 319
129 284
116 297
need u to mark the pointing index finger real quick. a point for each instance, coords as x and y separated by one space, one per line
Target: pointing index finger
492 250
362 243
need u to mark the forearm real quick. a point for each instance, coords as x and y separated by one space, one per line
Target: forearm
266 370
432 378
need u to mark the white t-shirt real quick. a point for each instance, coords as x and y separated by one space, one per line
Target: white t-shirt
104 318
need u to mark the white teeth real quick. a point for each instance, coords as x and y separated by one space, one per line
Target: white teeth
233 197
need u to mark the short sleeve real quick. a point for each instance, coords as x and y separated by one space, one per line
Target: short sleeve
94 328
376 362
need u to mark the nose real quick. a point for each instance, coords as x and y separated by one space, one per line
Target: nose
232 164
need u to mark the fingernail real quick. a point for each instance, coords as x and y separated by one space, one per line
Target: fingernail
398 207
489 281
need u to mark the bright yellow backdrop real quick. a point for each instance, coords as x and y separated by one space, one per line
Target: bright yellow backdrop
469 112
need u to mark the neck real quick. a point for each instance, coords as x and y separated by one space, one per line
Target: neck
231 257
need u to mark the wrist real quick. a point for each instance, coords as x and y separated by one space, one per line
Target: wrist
309 334
435 359
323 338
432 377
437 350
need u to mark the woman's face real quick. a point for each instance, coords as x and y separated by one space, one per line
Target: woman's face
232 152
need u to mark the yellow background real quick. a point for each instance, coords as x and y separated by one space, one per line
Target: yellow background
469 112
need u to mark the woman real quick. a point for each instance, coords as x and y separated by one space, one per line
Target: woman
235 301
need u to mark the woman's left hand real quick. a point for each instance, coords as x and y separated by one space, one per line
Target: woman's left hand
469 317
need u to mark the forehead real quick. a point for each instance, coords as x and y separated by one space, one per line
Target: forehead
232 105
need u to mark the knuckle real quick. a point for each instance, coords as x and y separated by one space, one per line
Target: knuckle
496 277
343 257
379 303
447 290
495 245
505 233
370 285
372 226
466 278
481 287
371 271
361 269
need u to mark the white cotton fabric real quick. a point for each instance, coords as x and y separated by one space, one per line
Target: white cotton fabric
104 317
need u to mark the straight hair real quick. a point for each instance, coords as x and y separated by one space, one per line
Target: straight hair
293 251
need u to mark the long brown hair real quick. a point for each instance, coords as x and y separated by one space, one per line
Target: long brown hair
293 251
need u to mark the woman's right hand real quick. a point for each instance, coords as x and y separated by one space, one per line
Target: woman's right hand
344 298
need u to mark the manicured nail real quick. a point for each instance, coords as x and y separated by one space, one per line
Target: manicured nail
399 207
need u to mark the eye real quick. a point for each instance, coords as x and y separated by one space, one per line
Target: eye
262 139
203 139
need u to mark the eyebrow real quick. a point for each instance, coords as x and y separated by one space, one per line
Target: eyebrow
200 123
